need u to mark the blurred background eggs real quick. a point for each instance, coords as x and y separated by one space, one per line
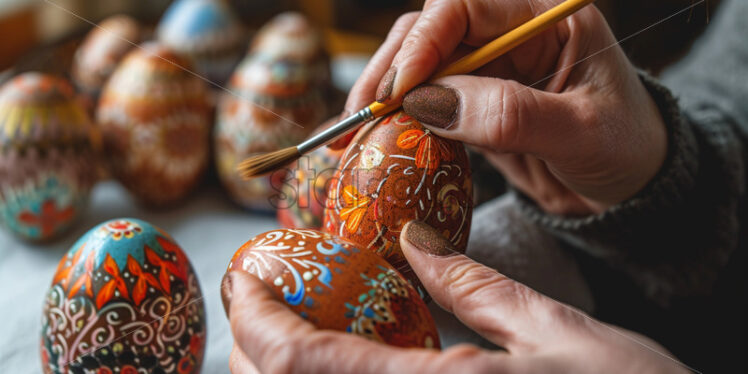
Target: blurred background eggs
48 156
97 57
207 32
304 192
155 120
276 101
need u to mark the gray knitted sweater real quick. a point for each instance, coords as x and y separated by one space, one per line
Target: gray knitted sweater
675 253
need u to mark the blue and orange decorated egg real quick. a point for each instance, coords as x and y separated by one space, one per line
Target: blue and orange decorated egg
97 57
304 192
154 117
124 299
394 171
48 150
275 102
207 32
338 285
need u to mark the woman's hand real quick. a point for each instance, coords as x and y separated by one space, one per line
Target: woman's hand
563 116
539 334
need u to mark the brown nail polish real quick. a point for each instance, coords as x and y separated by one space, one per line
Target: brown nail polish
432 104
427 239
384 90
226 292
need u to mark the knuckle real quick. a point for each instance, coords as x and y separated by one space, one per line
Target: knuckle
279 357
404 22
466 278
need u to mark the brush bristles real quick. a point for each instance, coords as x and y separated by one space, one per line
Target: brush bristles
256 166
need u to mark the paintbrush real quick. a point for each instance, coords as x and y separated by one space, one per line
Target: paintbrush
265 163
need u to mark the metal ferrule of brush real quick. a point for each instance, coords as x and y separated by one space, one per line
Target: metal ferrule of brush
335 131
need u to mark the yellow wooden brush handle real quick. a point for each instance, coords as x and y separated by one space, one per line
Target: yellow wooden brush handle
497 47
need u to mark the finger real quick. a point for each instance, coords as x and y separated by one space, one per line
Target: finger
239 363
363 91
278 341
506 312
496 114
441 26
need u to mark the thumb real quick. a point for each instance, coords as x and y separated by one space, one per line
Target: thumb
492 113
503 311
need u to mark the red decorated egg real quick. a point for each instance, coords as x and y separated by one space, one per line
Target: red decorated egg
155 120
124 299
276 102
97 57
336 285
302 199
48 152
394 171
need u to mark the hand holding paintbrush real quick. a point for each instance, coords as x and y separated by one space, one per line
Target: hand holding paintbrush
265 163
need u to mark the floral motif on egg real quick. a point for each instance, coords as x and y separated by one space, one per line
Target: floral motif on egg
394 171
48 149
154 117
334 285
123 299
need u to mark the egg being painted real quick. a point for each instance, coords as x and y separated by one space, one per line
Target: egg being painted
124 299
155 120
97 57
336 285
303 195
394 171
207 32
48 152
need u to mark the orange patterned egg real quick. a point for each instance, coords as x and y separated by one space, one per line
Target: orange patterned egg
338 286
155 120
394 171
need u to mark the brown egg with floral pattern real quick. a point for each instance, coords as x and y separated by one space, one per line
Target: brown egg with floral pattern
394 171
336 285
154 116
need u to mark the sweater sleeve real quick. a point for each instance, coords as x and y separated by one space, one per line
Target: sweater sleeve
676 235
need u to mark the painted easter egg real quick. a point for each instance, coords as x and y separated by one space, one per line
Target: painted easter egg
97 57
155 120
48 148
124 299
303 195
338 286
207 32
394 171
291 36
275 103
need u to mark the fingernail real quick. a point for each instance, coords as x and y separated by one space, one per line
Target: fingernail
384 90
432 104
226 292
427 239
